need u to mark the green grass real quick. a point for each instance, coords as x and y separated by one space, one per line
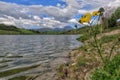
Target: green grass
110 38
12 30
61 70
86 36
112 28
21 31
81 61
24 31
88 32
111 71
2 32
83 38
17 70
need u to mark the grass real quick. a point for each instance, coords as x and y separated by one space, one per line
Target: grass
110 38
81 61
21 31
104 39
61 71
17 70
112 28
24 31
12 30
86 36
2 32
110 71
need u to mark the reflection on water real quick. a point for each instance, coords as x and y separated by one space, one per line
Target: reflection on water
35 49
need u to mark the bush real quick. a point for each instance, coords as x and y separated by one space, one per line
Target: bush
111 71
114 17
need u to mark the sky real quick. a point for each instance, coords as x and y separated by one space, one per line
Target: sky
33 14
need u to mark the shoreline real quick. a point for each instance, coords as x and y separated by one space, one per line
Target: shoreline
82 64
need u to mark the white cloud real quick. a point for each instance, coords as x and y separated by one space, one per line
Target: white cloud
115 3
73 21
82 11
36 18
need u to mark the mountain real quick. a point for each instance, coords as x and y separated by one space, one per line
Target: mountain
66 28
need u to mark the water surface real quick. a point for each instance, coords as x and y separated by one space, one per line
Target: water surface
35 49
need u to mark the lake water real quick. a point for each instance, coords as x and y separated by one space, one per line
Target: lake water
35 49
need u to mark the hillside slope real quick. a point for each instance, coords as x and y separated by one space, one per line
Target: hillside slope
9 30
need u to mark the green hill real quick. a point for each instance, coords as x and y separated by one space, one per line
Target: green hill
12 30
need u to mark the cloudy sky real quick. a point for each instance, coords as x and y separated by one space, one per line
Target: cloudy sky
48 13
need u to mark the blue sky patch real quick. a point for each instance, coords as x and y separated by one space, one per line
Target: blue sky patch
36 2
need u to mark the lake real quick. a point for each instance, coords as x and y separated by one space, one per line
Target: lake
28 50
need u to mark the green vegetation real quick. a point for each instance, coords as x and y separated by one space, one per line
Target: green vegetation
111 38
113 18
17 70
86 59
110 71
85 36
11 30
77 31
51 32
62 70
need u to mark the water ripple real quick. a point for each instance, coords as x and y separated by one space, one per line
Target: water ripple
35 49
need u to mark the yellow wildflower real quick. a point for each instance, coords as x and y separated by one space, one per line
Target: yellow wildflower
95 13
86 18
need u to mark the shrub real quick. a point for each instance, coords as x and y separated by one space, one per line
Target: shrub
111 71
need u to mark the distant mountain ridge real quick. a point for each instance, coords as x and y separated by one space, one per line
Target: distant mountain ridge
66 28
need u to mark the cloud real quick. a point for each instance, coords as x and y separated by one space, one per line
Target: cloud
56 16
73 21
34 12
